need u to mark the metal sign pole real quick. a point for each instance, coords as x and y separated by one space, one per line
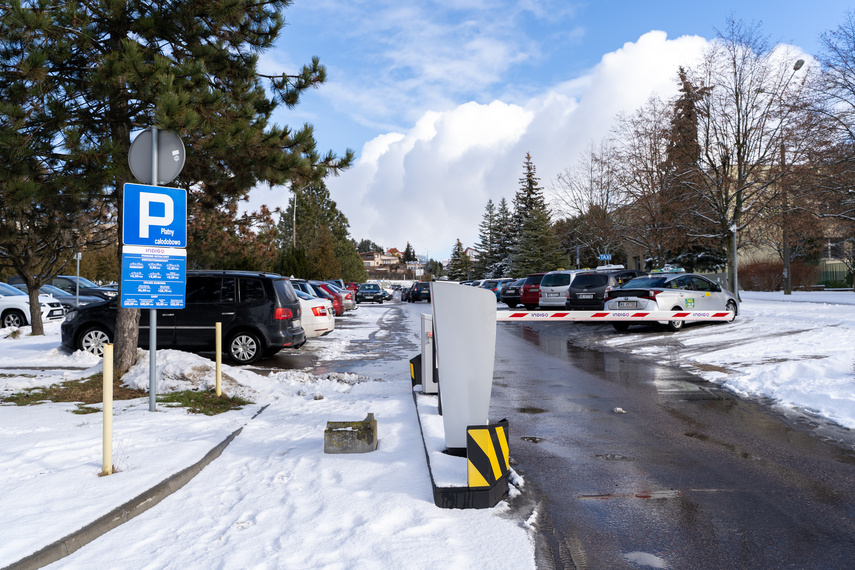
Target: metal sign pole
152 319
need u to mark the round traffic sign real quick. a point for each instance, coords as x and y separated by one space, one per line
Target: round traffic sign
170 157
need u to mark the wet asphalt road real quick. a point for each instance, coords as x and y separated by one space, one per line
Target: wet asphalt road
639 465
688 476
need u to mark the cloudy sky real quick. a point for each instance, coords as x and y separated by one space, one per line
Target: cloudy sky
441 100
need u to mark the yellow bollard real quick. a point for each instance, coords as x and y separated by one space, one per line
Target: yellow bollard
107 454
219 351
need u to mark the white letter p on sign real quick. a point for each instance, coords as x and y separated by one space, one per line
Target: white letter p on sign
146 219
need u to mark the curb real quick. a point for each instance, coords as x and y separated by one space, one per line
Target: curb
122 514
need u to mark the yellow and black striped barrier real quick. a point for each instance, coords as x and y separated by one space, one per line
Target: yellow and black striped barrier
487 454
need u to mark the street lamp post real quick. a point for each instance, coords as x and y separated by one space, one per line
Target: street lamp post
785 241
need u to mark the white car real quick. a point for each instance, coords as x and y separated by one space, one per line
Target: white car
669 292
15 307
318 315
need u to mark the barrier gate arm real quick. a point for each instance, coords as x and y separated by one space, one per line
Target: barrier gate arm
612 316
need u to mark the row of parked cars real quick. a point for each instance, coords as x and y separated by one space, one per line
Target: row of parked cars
261 313
62 294
615 288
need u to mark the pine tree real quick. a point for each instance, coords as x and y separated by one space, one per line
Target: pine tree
540 244
82 78
530 216
317 214
503 230
486 245
459 266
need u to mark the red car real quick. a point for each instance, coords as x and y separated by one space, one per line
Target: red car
530 291
352 287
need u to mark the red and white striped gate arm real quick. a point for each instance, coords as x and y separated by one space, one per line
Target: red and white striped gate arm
610 316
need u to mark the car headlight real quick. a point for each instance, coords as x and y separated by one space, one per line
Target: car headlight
111 294
70 315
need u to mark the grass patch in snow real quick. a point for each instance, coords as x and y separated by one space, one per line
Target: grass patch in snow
85 391
207 403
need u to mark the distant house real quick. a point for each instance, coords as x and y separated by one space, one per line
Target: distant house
374 261
471 253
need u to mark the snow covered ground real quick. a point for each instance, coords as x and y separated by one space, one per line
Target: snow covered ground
273 499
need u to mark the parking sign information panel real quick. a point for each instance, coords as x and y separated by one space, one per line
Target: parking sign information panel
153 277
154 215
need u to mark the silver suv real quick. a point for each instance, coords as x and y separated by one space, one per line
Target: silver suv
554 286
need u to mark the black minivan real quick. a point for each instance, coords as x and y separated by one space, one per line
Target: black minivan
259 312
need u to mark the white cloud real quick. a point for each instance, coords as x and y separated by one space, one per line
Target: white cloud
430 185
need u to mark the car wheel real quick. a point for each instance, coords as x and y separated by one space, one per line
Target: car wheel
14 318
512 305
530 307
93 340
731 307
380 302
620 326
244 348
674 326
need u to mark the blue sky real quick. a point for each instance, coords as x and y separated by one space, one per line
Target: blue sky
442 100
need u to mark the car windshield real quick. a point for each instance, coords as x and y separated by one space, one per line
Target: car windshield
645 283
51 290
533 279
556 280
369 287
590 281
86 283
6 289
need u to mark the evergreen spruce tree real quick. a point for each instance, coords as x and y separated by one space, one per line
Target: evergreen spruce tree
541 244
318 214
530 217
80 79
503 230
486 245
459 266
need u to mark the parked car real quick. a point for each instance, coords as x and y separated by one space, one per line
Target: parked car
475 283
69 284
317 318
588 290
260 314
369 292
510 294
407 293
68 300
347 297
420 292
15 307
387 295
336 292
554 286
351 286
530 291
312 289
670 292
495 285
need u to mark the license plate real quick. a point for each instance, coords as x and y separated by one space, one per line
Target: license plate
585 295
626 304
553 294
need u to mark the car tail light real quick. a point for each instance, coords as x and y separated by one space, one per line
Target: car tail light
651 295
319 311
350 296
283 313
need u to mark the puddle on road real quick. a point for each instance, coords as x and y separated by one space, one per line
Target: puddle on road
531 410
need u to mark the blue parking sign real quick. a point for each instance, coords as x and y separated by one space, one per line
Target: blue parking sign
153 277
154 216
